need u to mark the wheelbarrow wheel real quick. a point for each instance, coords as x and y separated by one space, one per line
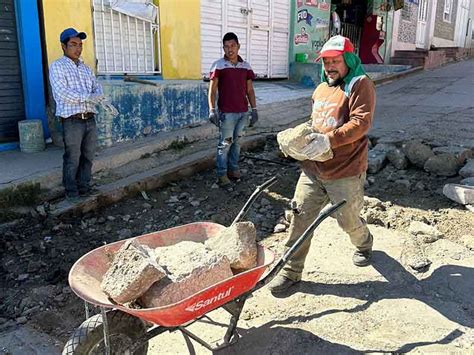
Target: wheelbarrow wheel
124 330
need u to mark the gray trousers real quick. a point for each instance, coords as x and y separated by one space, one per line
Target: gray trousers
311 195
80 139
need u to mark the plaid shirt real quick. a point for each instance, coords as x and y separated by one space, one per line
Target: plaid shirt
72 84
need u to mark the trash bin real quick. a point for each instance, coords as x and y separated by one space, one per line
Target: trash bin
31 136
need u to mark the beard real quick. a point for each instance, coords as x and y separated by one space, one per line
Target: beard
334 82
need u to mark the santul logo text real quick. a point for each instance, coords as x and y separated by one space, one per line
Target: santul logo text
203 303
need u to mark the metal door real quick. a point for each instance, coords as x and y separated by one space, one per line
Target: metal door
422 28
262 27
462 23
11 93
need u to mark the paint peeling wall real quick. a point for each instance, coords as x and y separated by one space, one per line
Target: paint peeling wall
147 109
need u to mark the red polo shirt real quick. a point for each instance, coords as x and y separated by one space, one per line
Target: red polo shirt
232 85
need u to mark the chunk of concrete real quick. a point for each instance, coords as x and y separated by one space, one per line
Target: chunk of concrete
467 181
429 233
417 153
292 140
442 165
190 267
468 169
376 160
461 154
238 243
397 158
462 194
132 272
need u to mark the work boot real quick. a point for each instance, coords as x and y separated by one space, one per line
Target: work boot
234 175
223 181
92 191
362 258
280 284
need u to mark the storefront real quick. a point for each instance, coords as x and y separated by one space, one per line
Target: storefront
367 23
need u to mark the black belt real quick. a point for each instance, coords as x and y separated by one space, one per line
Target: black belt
81 116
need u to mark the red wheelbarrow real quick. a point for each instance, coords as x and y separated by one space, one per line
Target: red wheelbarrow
123 330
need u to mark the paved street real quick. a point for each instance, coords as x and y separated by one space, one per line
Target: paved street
436 105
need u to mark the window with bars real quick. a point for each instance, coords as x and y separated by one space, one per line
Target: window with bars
125 41
448 10
406 12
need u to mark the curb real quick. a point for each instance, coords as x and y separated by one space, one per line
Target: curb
148 180
392 77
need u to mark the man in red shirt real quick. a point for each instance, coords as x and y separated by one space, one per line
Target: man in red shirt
343 108
231 80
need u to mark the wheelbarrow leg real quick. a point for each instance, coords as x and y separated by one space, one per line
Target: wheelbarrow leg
235 309
86 308
106 330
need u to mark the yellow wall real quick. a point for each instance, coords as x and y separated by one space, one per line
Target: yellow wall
180 39
61 14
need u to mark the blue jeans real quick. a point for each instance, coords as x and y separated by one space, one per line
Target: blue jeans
228 149
80 138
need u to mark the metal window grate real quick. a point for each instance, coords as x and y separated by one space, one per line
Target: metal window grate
125 44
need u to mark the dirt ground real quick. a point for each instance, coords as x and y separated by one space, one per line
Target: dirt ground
416 297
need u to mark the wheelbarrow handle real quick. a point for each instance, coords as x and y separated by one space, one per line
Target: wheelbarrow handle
326 212
252 199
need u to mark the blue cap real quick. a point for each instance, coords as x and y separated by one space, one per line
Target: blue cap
70 33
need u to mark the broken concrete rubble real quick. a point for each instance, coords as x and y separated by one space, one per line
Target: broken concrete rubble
132 272
238 244
462 194
190 268
292 140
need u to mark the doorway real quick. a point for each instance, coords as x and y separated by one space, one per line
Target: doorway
352 14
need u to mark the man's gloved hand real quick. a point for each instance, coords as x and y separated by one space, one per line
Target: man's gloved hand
95 99
318 144
109 108
214 117
253 117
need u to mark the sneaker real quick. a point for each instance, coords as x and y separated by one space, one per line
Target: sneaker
362 258
223 181
281 284
234 174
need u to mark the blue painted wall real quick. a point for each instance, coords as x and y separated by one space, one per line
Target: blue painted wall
31 61
147 109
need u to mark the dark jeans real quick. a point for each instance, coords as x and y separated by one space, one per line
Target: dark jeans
80 138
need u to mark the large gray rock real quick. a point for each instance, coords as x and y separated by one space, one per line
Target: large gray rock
238 243
462 194
467 181
417 153
468 169
442 165
377 160
461 154
132 272
397 158
190 267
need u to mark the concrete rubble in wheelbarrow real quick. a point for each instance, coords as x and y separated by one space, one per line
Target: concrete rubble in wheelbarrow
141 277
